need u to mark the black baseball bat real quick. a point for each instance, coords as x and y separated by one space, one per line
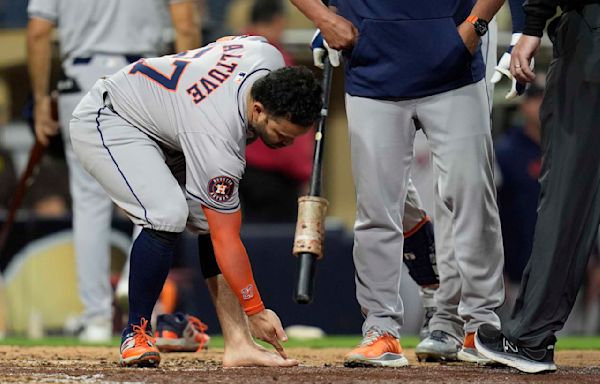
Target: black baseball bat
307 262
35 157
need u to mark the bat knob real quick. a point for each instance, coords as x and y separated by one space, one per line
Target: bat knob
307 263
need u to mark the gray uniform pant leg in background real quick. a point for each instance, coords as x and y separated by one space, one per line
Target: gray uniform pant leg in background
467 231
448 295
92 208
381 142
569 206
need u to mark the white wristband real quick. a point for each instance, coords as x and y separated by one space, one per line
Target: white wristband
515 38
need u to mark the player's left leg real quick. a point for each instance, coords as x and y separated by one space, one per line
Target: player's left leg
489 44
463 159
131 168
449 343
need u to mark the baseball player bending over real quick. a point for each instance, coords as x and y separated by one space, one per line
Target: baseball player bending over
166 138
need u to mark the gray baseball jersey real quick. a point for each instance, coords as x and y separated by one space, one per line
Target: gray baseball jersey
87 27
193 103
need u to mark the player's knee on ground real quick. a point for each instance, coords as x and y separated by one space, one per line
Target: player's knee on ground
419 254
206 253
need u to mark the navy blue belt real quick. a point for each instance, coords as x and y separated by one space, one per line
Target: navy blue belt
86 60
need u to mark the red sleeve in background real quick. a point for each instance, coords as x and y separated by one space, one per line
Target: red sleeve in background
294 161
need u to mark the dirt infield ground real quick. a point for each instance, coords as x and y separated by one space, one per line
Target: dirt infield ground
99 364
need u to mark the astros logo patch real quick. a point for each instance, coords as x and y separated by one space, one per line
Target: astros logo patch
220 188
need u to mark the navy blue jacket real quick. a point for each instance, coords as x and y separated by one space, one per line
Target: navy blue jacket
408 48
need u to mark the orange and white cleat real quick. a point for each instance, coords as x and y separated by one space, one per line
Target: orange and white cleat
377 349
138 349
180 333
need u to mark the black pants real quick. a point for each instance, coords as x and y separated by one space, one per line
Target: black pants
569 205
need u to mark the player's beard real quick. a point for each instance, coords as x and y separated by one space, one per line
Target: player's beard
251 134
260 130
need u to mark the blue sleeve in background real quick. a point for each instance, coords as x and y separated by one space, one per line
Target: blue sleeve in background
13 13
517 15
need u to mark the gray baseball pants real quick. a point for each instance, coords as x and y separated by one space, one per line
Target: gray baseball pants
381 138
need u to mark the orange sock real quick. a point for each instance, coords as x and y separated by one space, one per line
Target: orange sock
168 296
469 340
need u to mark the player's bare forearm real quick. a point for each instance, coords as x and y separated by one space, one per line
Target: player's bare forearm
232 258
339 32
186 22
39 51
483 9
234 264
314 10
487 9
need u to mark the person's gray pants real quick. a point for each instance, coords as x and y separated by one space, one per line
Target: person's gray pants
381 138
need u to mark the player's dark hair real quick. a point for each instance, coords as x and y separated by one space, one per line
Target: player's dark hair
264 11
292 93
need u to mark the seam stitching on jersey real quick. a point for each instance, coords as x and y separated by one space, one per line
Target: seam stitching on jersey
237 99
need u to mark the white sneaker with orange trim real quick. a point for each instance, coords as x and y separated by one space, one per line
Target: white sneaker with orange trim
180 333
138 349
377 349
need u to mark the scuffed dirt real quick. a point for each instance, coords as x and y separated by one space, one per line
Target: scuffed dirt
100 365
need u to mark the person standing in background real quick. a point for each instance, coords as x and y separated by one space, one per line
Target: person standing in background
398 80
274 179
96 39
569 203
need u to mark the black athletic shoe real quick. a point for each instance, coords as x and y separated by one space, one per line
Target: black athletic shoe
491 343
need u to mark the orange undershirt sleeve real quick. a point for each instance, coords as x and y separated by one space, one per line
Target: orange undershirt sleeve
232 258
